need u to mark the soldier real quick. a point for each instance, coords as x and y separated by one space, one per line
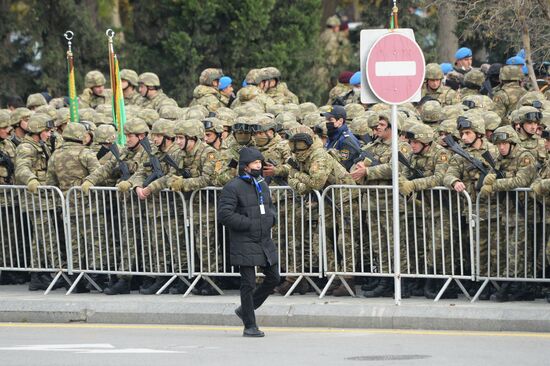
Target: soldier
109 174
7 150
510 91
242 133
330 42
129 83
30 170
431 160
342 90
278 90
163 137
370 172
254 91
105 136
463 63
318 170
346 147
149 88
517 165
492 122
473 80
94 92
529 119
433 86
227 95
35 100
213 131
19 120
207 93
197 164
431 113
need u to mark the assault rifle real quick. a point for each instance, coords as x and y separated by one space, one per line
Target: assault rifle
153 161
457 149
415 172
122 166
6 161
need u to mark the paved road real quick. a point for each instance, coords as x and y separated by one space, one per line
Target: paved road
105 344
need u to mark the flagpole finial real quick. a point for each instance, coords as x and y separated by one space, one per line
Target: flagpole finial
69 35
110 34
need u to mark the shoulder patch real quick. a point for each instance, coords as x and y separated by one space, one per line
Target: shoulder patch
344 154
218 166
404 149
211 156
443 158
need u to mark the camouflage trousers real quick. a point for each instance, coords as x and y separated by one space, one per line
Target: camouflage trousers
14 242
209 238
47 249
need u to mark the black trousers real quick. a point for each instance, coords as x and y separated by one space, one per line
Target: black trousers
253 297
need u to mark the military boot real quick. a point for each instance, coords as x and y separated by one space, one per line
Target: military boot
371 284
302 288
179 288
36 283
521 291
343 291
501 295
121 287
283 287
384 289
153 289
208 290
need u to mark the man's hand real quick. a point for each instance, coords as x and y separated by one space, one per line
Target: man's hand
459 187
486 190
490 179
124 186
406 187
86 186
177 184
143 193
359 172
32 185
269 170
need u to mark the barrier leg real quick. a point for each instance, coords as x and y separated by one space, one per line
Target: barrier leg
346 285
483 285
184 280
75 283
90 280
192 286
161 290
443 289
314 285
291 289
463 289
330 280
52 284
213 285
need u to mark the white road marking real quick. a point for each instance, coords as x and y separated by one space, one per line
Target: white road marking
84 348
395 68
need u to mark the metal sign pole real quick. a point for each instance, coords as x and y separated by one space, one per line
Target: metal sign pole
395 199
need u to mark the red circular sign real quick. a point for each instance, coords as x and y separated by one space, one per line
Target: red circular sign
395 68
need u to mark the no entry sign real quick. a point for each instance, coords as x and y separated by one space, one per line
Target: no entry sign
395 68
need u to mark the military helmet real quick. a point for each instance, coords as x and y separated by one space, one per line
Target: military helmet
474 77
531 98
293 108
130 76
208 76
249 109
105 134
386 115
421 132
40 122
149 79
306 108
47 109
378 107
103 120
189 127
431 112
63 115
433 72
94 78
275 109
213 124
271 72
546 133
164 127
492 120
312 119
36 100
254 77
333 21
86 114
449 126
300 138
321 129
514 116
263 124
149 115
170 112
18 114
75 131
197 112
4 118
505 134
227 116
471 121
136 126
107 109
453 111
360 126
529 114
478 101
354 110
242 124
510 73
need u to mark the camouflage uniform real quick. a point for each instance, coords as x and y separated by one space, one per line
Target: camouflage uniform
90 100
206 93
132 78
150 79
510 91
8 212
339 90
534 142
444 94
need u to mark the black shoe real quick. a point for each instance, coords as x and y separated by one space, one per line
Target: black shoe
36 283
239 312
208 290
253 332
302 288
18 278
502 294
179 288
153 289
121 287
384 289
371 284
146 283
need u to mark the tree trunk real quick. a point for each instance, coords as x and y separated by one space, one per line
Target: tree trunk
526 40
117 23
329 9
447 42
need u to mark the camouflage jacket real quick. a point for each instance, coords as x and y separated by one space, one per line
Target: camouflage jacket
207 96
535 144
7 160
281 95
252 93
31 162
518 169
433 165
277 151
70 165
108 174
157 101
145 169
506 98
89 100
134 99
444 94
381 174
339 90
202 162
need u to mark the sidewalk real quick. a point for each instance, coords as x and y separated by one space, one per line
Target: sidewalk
17 304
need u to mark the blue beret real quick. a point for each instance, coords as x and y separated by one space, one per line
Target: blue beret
516 60
524 69
463 53
356 78
446 68
225 81
244 83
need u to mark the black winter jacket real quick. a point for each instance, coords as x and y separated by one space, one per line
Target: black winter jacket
249 231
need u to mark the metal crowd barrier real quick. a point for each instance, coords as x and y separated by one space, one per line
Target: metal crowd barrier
297 235
512 238
31 231
117 233
436 235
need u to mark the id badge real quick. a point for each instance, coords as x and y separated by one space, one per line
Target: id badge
262 209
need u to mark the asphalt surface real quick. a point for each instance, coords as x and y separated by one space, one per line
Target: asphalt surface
111 344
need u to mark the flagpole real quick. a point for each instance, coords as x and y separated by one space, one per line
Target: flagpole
73 98
119 115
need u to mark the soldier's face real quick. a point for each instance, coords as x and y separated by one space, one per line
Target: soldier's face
383 130
465 63
24 124
530 127
157 139
209 137
45 135
434 83
5 132
547 144
227 91
225 133
123 84
142 90
467 136
131 140
98 90
416 146
504 148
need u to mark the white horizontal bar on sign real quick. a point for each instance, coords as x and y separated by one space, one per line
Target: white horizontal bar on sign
395 68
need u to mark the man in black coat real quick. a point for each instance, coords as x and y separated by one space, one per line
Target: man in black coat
247 211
